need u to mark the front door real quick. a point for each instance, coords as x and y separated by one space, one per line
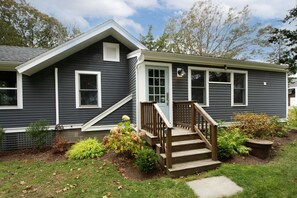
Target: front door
158 87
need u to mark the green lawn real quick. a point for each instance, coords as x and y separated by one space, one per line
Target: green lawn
90 178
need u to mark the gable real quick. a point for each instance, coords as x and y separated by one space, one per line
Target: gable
110 28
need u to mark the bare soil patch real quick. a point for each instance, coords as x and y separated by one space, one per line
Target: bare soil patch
278 143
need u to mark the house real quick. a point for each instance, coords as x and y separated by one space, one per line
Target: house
86 84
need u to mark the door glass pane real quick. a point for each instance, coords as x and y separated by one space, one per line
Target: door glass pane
88 81
8 79
162 82
157 85
157 82
151 72
151 98
151 81
156 73
157 99
88 97
162 90
162 73
151 90
8 97
156 90
198 78
162 100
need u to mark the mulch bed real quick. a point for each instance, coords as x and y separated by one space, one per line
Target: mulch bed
126 166
278 143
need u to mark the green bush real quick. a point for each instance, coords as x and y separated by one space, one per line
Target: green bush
146 160
292 117
280 130
88 148
38 131
230 143
123 139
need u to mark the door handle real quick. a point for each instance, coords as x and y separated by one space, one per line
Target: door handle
167 98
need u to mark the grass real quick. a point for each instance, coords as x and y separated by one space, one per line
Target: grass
93 178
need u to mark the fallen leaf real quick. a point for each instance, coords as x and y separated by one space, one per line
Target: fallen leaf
22 183
120 187
79 169
28 187
77 177
83 190
54 174
108 194
24 191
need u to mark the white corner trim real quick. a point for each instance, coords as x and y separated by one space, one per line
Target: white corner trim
287 97
116 46
108 111
77 87
57 96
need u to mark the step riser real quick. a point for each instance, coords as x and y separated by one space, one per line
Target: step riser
188 147
191 171
189 158
185 137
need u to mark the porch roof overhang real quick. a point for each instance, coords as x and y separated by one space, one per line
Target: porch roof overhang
109 28
206 61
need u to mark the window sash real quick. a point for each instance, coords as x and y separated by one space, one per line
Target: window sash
81 99
243 90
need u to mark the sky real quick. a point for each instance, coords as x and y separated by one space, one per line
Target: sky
137 15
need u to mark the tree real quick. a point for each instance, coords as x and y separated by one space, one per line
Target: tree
289 39
205 30
26 26
160 44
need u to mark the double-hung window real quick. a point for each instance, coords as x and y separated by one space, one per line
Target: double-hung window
88 89
239 89
10 90
198 89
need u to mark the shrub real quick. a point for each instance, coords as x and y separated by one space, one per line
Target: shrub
256 125
38 131
123 139
60 144
88 148
230 143
146 160
292 117
280 130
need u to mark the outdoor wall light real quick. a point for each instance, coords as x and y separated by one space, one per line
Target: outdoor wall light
180 72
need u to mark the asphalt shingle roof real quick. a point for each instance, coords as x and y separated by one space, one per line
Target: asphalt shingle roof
19 54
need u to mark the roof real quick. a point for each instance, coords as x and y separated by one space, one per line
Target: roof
84 40
207 61
19 54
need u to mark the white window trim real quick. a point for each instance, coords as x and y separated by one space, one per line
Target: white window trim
207 70
77 86
246 89
19 89
206 84
113 45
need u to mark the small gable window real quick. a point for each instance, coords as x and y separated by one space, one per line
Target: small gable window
10 90
111 52
88 89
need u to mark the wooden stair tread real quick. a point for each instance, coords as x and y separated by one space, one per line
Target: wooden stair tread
187 152
187 142
193 164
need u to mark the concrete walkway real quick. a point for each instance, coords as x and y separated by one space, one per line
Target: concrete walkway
214 187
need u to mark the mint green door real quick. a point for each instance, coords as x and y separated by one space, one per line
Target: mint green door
158 87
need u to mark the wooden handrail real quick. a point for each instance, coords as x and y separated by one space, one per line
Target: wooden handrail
190 115
154 121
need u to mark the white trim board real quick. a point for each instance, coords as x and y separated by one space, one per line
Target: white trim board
57 96
108 111
94 35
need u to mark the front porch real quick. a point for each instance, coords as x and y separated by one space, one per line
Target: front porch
187 146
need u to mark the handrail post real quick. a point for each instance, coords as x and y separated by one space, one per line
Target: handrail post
154 121
169 148
214 143
193 117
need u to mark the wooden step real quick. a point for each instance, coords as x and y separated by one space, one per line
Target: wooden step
184 145
185 136
192 167
188 155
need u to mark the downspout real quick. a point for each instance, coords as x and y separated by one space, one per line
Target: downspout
57 96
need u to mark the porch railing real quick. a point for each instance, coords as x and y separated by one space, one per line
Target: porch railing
155 122
190 115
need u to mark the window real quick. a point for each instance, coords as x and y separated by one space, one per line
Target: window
220 77
10 90
157 88
111 52
88 89
239 89
198 89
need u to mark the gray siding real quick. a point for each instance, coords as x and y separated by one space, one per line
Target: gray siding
38 101
132 86
270 99
114 81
